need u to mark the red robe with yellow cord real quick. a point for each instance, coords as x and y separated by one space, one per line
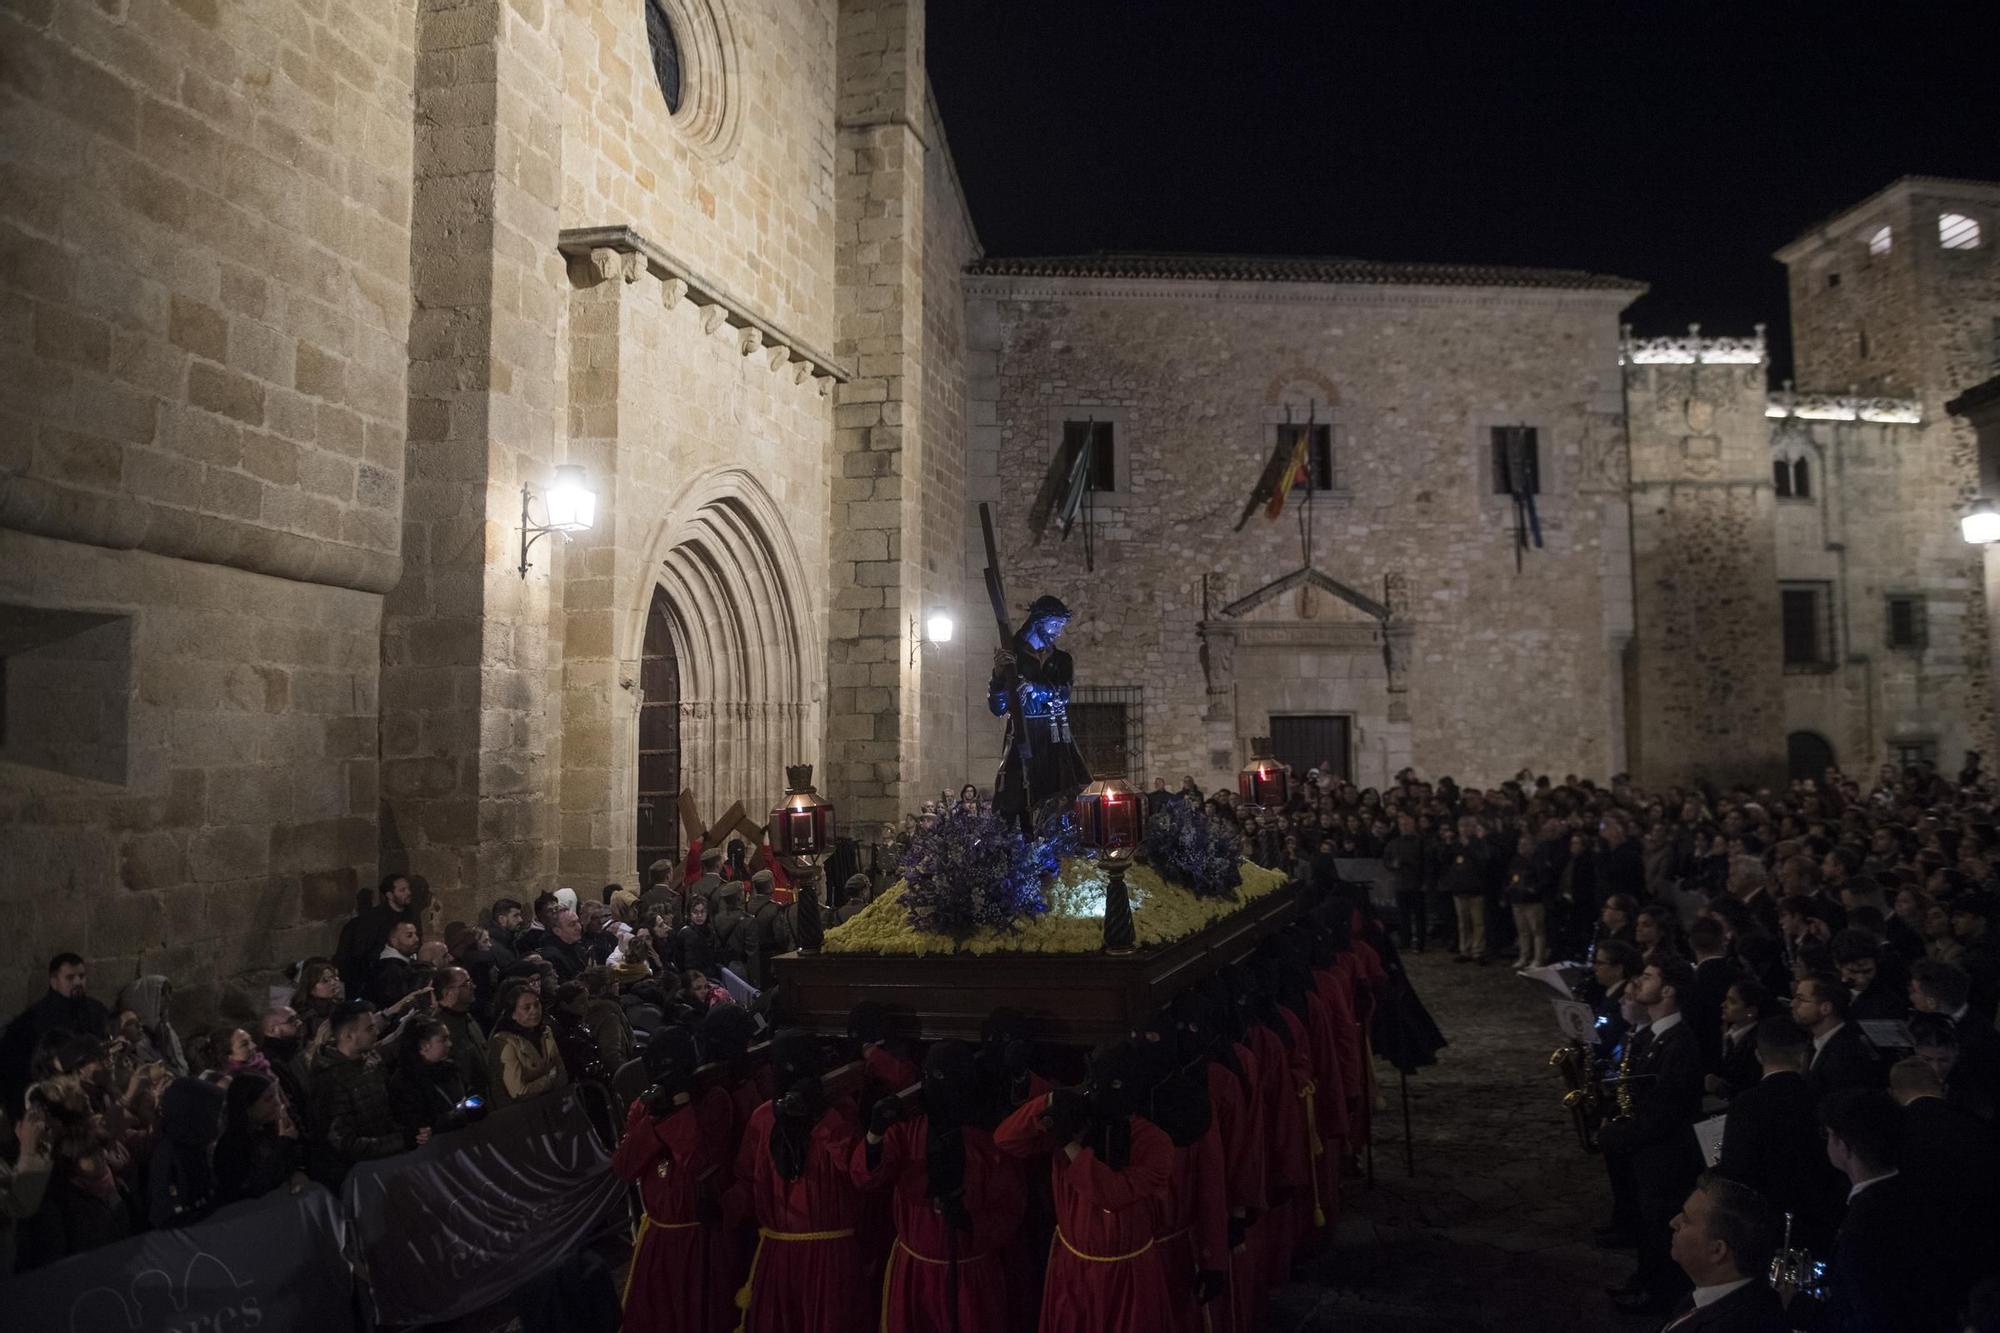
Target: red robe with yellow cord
672 1159
1240 1123
806 1275
1191 1226
915 1291
1103 1275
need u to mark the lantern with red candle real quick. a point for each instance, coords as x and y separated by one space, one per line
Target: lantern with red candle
802 833
1263 782
1111 819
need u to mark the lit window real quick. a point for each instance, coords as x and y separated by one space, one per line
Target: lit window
1956 231
1879 241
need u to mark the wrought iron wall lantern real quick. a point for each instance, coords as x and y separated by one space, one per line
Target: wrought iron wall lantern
570 504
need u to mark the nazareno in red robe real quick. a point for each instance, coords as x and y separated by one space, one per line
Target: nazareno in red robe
672 1160
806 1274
1191 1225
1103 1275
1239 1122
916 1288
1287 1186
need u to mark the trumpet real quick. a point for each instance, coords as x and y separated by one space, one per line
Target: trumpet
1585 1095
1794 1268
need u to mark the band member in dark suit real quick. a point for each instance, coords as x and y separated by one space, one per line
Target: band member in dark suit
1613 965
1840 1059
1659 1134
1771 1142
1744 1006
1723 1240
1714 971
1952 1158
1887 1269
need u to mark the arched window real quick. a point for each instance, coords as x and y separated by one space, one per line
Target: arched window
1801 478
666 53
1956 231
1880 240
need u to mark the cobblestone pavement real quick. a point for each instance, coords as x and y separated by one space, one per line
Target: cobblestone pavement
1493 1232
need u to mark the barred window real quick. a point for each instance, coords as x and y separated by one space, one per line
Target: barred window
1906 626
1956 231
1109 725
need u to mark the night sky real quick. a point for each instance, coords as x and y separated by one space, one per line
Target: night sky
1676 143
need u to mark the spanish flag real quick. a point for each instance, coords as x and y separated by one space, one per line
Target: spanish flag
1289 466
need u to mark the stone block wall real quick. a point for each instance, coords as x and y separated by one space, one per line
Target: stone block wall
205 217
1706 676
875 690
470 752
1505 668
950 243
239 819
740 182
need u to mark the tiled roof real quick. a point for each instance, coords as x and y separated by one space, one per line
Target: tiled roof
1280 268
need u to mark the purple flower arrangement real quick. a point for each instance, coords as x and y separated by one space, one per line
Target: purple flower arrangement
972 870
1185 847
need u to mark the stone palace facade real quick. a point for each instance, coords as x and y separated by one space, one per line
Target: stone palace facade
306 303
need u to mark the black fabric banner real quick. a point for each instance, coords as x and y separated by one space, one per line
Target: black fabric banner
273 1263
459 1223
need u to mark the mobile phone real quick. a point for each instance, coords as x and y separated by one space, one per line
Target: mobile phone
472 1103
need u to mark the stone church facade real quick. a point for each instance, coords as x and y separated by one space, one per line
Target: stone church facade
302 300
305 305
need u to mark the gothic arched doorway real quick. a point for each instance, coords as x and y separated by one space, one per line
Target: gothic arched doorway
659 738
1808 755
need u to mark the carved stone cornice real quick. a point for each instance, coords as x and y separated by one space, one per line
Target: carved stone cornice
682 282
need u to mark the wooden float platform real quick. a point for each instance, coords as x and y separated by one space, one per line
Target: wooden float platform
1070 999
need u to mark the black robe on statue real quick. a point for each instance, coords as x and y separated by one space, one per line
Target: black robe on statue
1055 766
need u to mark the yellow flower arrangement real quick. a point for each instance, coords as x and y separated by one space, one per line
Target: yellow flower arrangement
1074 923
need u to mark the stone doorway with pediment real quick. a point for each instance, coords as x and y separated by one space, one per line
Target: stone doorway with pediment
1308 645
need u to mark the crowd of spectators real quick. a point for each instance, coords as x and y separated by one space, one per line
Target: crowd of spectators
120 1122
1817 965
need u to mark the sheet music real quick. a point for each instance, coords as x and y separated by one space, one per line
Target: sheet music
1575 1019
1888 1034
1550 976
1708 1133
